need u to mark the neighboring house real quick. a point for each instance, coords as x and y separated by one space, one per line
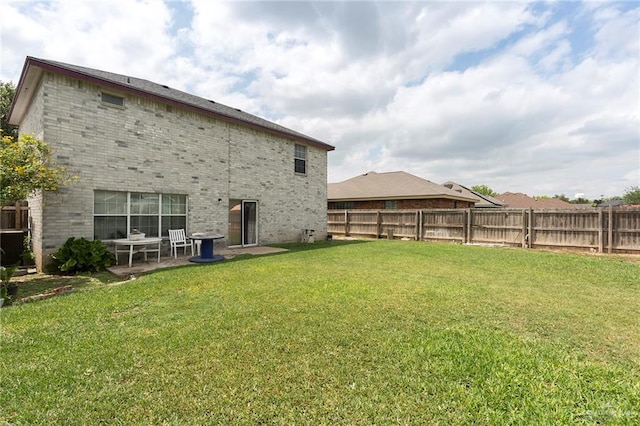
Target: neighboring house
519 200
153 158
482 201
393 190
616 202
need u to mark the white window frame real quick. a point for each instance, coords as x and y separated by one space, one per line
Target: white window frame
297 150
129 214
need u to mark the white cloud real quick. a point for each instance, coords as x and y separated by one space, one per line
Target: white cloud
124 36
617 32
534 97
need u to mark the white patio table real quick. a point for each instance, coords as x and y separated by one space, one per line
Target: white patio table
138 246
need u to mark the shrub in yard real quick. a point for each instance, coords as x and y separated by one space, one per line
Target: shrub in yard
81 255
8 290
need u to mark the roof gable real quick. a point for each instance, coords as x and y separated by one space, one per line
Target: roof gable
482 200
520 200
390 186
34 67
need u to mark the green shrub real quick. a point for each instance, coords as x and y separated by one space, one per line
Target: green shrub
28 257
81 255
5 277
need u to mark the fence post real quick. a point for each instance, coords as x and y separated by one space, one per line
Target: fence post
470 227
600 231
346 223
465 212
18 222
530 225
379 229
610 236
524 228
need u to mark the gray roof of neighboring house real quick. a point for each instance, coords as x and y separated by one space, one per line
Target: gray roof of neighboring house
390 186
519 200
613 203
34 67
483 201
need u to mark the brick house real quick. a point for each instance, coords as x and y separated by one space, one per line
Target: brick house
153 158
393 190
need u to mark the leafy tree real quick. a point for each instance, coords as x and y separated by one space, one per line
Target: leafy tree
562 197
581 200
632 195
7 92
484 190
25 167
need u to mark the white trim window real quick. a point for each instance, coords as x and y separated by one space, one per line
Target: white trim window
300 159
117 213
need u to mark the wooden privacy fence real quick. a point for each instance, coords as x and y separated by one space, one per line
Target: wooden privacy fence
600 229
15 217
14 227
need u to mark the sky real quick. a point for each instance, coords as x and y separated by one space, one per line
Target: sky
535 97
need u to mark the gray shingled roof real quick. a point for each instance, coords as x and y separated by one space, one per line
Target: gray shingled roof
483 201
390 186
518 200
146 88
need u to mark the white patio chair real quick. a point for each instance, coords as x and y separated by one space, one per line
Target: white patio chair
178 238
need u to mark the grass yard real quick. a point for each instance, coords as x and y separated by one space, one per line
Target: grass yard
377 332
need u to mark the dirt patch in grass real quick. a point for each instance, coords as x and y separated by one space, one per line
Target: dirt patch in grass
36 284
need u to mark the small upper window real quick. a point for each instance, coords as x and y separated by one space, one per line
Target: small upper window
112 99
300 159
391 205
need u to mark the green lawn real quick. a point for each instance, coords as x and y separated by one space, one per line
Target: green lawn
377 332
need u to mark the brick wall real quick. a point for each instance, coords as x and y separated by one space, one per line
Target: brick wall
33 124
146 146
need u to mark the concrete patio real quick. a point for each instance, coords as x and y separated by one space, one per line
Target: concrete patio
141 266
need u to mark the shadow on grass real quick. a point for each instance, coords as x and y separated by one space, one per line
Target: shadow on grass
318 245
288 248
31 285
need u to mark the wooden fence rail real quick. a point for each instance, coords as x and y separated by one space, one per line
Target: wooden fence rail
600 229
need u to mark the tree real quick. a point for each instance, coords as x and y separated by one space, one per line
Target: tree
632 195
25 167
484 190
7 92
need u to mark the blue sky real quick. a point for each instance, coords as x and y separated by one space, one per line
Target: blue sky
534 97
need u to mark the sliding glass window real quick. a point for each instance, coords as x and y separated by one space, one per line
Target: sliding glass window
116 213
